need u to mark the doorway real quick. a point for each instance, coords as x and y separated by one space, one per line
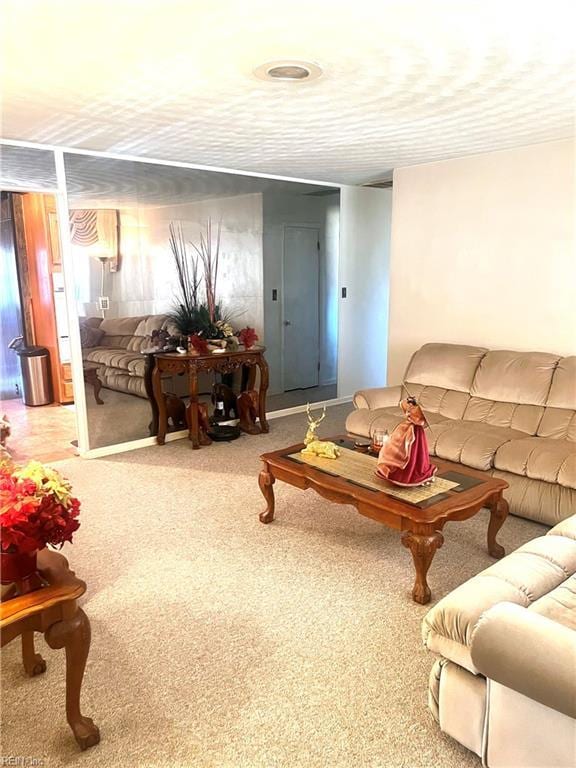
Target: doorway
39 413
10 303
301 307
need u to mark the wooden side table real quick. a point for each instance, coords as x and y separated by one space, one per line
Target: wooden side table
53 611
192 365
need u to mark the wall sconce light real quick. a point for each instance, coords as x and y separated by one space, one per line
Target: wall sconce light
97 252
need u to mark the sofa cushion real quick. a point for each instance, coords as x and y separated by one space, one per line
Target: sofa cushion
471 443
560 604
90 336
143 331
563 388
362 421
515 377
523 577
132 363
553 461
446 402
118 331
525 418
448 366
558 423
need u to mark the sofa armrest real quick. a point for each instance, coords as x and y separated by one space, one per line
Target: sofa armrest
529 653
378 397
565 528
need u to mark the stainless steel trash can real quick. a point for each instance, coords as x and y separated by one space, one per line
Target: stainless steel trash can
35 362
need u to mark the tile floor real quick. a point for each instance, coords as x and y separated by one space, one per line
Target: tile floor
43 432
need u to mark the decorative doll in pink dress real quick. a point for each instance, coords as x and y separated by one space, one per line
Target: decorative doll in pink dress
403 459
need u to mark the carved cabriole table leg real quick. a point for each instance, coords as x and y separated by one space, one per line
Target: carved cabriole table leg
160 403
33 663
266 481
498 514
148 368
264 381
423 545
249 374
194 426
73 634
97 387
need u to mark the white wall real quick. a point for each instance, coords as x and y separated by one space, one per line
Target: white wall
483 252
365 216
146 282
321 212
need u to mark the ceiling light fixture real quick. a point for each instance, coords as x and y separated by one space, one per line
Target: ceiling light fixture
288 70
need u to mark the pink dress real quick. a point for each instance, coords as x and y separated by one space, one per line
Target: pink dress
404 459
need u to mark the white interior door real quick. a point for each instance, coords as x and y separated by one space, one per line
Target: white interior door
300 307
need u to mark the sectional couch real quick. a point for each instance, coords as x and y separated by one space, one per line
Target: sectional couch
118 350
504 685
511 414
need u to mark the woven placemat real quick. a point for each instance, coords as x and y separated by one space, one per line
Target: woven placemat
359 468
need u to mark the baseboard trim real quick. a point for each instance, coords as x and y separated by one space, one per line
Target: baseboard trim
302 408
132 445
147 442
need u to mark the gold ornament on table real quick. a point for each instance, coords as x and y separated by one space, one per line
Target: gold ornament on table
312 425
314 446
322 448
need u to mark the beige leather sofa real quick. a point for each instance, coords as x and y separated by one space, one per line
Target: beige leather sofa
505 683
512 414
118 352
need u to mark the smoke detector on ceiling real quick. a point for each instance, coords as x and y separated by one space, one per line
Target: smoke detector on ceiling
288 70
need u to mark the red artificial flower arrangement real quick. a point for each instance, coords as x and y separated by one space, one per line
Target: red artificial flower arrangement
199 344
247 337
36 508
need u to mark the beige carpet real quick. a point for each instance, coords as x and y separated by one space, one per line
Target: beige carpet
120 419
218 641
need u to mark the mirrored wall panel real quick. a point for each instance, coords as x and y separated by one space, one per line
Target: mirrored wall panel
167 257
27 169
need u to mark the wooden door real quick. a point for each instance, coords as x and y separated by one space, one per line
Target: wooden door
43 265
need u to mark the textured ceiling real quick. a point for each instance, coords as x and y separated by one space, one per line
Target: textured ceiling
404 82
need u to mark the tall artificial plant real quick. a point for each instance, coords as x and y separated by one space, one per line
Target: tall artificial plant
209 255
193 314
185 313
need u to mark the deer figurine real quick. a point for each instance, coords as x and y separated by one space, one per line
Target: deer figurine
313 425
312 445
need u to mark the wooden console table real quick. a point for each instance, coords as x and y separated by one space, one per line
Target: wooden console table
52 610
192 365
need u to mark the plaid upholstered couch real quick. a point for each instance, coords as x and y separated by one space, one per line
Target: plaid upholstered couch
118 349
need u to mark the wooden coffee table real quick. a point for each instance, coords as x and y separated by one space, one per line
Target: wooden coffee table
421 526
